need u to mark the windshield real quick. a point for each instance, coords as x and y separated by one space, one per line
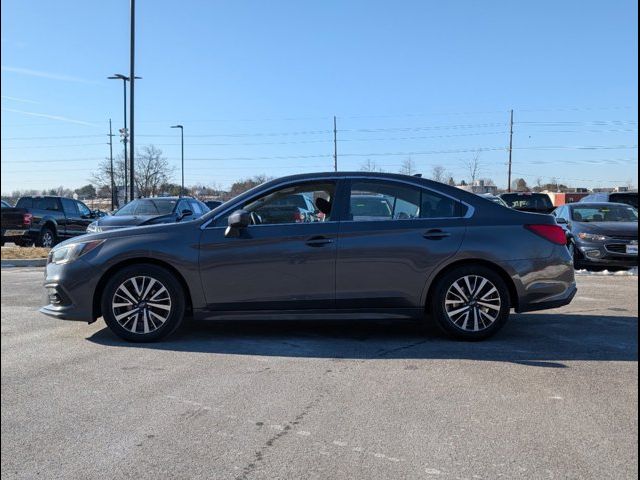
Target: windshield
605 213
536 201
148 206
628 198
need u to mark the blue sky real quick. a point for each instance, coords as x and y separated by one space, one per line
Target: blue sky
256 85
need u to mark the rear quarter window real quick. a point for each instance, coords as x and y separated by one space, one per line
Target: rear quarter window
25 203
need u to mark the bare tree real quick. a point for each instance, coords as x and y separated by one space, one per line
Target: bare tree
370 166
152 171
520 185
438 174
245 184
474 167
408 167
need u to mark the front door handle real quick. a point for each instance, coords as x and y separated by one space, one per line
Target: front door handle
319 241
436 234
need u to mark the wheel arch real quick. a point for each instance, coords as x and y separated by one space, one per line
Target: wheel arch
513 292
97 294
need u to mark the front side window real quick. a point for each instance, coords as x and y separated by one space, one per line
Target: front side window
381 201
303 203
84 210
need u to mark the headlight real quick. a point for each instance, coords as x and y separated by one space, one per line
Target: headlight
69 253
592 237
93 227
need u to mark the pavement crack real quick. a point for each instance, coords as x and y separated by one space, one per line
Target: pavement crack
384 353
271 441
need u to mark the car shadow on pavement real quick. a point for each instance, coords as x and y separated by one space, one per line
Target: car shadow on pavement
542 340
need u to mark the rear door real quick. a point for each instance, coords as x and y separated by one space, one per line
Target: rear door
392 238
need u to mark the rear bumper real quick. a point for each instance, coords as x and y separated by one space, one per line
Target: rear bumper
12 234
543 283
559 301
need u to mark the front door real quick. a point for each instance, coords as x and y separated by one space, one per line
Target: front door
392 238
282 261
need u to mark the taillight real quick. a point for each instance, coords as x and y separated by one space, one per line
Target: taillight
553 233
26 219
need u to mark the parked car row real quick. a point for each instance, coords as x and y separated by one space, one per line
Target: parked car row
44 221
601 229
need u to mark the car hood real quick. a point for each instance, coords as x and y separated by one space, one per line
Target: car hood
123 221
610 229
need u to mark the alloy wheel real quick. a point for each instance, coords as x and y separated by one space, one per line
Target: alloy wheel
473 303
47 239
141 304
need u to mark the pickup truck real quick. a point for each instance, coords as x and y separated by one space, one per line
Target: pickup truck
44 220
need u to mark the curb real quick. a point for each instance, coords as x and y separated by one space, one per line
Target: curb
24 262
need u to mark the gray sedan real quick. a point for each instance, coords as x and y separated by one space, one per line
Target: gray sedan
436 253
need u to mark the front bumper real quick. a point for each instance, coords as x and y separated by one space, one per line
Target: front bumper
69 291
609 254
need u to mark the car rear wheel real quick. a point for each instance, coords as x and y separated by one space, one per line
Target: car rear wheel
46 238
143 303
471 303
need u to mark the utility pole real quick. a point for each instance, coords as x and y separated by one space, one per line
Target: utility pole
132 80
111 135
510 150
335 145
182 144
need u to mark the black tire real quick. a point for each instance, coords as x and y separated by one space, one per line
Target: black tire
454 324
576 254
128 328
46 238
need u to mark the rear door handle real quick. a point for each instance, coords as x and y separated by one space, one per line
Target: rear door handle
319 241
436 234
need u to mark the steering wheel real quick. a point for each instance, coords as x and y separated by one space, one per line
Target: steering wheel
255 218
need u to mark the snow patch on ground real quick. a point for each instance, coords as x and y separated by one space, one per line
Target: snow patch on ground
633 272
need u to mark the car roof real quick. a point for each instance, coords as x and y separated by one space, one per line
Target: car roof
598 204
454 192
165 198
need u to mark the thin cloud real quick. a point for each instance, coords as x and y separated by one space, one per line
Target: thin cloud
40 74
16 99
50 117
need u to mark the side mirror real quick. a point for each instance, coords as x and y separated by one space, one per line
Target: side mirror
561 221
184 213
238 220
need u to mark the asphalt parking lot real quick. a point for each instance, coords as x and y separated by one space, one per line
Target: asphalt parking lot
553 395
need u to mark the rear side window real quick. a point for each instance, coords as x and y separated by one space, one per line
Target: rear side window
46 203
25 203
69 206
380 201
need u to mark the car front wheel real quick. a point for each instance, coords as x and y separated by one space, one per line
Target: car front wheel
471 303
143 303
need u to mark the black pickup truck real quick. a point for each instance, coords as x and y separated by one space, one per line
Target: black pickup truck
45 220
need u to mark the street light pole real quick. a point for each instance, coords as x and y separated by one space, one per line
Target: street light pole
182 156
132 78
124 133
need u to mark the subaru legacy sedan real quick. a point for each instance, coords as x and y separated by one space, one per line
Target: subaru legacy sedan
434 252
